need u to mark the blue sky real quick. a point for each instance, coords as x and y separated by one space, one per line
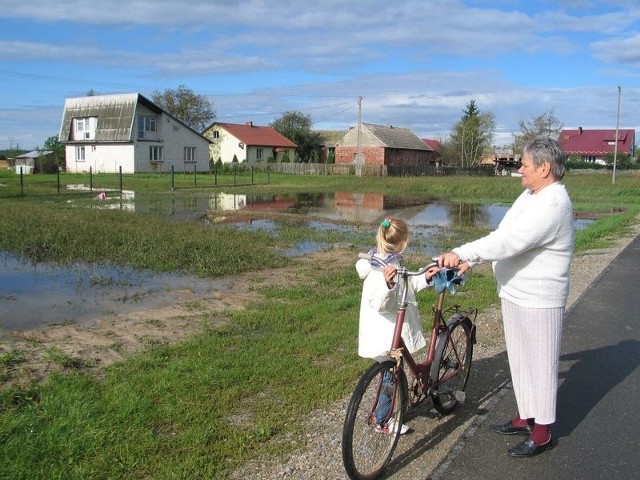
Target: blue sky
415 63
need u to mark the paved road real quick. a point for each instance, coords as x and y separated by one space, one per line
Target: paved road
598 428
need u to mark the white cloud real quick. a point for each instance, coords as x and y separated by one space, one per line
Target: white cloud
619 50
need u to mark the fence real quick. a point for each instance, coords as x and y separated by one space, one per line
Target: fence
374 170
243 174
23 184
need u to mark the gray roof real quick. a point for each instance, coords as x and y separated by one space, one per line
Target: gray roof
387 136
35 154
116 113
396 137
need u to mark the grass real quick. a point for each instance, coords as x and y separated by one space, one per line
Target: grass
56 232
202 406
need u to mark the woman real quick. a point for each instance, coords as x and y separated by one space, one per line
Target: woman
531 253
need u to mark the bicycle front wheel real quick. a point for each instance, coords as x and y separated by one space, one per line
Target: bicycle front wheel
373 422
451 365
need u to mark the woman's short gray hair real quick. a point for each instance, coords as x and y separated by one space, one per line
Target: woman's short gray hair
545 149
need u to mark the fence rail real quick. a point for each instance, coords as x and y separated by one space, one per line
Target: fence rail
243 174
374 170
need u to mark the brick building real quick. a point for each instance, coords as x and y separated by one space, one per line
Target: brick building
384 145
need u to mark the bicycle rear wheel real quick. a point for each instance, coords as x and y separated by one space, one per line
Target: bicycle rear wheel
451 365
371 431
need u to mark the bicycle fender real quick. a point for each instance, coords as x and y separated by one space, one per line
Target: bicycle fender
467 317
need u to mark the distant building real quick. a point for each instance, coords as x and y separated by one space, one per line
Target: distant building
330 139
31 161
128 131
595 145
247 142
503 160
384 145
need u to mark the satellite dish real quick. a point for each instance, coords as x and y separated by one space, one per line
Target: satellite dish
241 145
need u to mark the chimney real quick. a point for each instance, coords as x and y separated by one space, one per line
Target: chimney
249 124
579 130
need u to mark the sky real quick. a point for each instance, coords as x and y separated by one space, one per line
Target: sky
414 64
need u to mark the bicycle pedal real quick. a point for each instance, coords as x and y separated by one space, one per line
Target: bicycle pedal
460 396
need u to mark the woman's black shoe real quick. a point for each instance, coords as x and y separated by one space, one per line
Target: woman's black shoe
529 448
509 429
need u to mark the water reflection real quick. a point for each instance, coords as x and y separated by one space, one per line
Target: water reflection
358 208
349 207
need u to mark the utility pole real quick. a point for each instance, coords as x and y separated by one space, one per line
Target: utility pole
359 159
615 147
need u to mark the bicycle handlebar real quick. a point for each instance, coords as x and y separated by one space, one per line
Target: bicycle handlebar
403 270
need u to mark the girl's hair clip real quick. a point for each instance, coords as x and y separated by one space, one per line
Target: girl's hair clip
386 223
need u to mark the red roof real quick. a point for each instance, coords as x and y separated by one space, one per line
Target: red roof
596 142
435 144
253 135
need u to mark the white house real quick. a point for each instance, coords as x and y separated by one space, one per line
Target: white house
248 142
128 131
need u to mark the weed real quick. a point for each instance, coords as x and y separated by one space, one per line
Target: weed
12 357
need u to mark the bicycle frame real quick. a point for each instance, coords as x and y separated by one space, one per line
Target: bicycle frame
420 370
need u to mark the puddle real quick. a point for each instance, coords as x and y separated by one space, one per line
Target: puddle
335 207
46 294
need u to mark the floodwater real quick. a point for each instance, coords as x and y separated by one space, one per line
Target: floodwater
44 294
32 295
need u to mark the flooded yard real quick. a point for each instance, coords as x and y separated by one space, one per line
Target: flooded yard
33 295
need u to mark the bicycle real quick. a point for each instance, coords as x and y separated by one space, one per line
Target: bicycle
367 442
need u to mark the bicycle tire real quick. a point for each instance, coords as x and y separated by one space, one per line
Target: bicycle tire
454 352
366 450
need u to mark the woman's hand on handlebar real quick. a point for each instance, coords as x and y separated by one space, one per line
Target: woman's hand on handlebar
452 260
449 260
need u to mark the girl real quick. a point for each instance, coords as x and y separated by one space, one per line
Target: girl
379 306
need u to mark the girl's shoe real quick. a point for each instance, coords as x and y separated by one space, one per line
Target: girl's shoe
392 427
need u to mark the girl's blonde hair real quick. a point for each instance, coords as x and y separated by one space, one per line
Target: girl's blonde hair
392 236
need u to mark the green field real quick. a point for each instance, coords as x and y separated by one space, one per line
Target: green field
202 406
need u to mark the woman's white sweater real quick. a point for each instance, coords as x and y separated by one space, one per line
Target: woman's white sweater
531 249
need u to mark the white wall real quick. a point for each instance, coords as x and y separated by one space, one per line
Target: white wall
101 159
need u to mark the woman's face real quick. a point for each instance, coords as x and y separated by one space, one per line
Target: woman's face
534 178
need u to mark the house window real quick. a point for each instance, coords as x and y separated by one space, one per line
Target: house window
155 154
259 153
190 154
146 125
216 134
85 128
79 154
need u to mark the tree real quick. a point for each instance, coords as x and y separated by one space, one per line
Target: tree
193 110
546 125
57 159
297 127
472 135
